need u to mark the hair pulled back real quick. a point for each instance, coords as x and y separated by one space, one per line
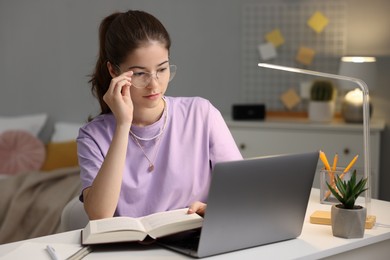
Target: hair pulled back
119 35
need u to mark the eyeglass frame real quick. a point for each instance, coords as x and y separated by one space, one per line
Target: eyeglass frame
172 73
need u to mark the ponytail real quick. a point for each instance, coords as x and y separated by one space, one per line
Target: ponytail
100 79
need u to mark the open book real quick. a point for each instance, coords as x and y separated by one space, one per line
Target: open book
125 229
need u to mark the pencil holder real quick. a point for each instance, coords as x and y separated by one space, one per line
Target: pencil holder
327 176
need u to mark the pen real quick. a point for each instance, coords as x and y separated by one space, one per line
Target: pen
52 252
349 166
331 174
351 163
335 159
324 160
334 166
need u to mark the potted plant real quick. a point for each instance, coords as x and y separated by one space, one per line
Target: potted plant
348 220
321 104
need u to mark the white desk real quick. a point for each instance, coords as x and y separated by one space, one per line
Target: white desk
316 241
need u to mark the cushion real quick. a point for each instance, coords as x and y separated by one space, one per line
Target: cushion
64 131
20 151
60 155
29 123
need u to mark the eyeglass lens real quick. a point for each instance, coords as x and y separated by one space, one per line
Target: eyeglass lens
142 79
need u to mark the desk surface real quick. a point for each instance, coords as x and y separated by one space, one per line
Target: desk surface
316 241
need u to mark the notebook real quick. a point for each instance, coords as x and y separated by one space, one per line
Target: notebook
251 202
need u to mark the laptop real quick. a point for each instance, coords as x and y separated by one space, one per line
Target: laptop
251 202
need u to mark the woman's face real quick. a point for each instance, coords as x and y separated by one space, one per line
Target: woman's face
150 66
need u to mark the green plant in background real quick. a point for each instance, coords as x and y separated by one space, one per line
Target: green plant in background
348 191
322 90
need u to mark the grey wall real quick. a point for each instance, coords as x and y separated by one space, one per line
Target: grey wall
48 48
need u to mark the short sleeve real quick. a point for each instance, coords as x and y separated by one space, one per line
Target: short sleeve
222 144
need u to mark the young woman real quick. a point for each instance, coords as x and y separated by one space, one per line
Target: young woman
146 152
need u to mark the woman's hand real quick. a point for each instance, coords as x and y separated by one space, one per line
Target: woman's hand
197 207
101 199
118 98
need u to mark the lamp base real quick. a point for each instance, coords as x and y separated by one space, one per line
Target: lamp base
353 113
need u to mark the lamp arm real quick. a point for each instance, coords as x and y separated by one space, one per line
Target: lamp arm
366 122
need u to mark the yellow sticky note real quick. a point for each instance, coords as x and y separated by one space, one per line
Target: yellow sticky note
305 55
318 22
275 37
290 98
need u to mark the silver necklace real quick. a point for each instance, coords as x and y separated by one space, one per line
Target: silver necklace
136 140
161 129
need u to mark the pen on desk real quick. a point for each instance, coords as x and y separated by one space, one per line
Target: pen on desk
52 252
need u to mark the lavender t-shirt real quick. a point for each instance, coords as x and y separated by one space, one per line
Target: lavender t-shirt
194 139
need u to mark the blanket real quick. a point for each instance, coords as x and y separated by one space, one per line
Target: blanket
31 204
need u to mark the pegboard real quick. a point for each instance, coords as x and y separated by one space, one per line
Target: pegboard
261 85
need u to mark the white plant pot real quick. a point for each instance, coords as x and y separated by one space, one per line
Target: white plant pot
321 111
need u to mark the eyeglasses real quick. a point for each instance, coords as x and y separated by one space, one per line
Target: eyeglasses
142 79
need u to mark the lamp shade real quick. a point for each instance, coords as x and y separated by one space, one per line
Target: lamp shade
363 68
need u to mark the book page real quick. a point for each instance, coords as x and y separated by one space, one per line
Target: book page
116 224
168 222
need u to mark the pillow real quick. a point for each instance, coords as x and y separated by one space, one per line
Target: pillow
29 123
20 151
64 131
60 155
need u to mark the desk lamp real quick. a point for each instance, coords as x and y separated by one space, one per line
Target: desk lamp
366 121
363 68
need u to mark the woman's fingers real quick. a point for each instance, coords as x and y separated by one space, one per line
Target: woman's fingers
118 97
197 207
118 81
126 91
114 91
117 84
118 88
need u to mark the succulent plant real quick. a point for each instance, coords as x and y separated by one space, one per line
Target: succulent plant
348 191
322 90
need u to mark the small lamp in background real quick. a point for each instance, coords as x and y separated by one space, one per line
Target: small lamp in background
363 68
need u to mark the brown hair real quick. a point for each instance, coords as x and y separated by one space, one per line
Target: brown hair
119 35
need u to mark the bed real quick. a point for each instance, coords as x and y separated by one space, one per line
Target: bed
39 175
